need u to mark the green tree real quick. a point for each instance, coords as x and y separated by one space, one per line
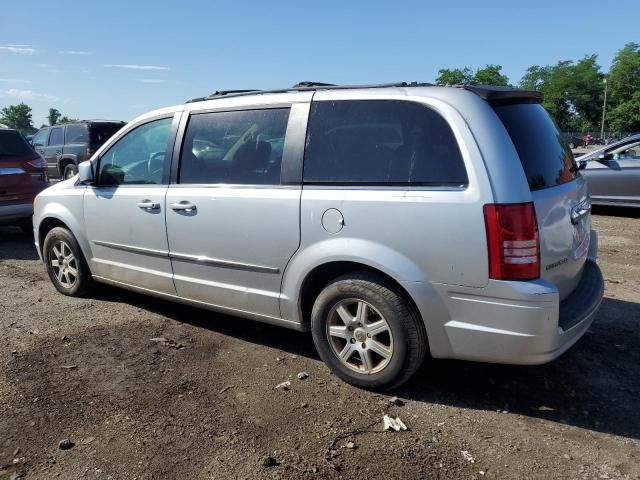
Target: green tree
54 116
66 119
624 75
624 85
535 77
490 75
454 76
572 92
18 117
625 118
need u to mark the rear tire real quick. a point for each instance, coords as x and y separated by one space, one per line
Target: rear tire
66 265
367 333
70 170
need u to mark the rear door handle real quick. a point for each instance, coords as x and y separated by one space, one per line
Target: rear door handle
148 205
184 206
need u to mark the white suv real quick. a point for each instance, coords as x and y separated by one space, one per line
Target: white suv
390 220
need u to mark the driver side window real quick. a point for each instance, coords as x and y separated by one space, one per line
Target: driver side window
138 157
628 152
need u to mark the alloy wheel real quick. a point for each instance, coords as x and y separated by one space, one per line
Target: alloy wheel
64 264
360 336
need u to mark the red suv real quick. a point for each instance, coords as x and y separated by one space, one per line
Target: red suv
23 175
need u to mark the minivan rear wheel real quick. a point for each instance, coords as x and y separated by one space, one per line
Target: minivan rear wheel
66 265
367 333
70 170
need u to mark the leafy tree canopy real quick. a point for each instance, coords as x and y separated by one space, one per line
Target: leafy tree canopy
18 117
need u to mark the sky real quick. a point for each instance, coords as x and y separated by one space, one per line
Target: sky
117 59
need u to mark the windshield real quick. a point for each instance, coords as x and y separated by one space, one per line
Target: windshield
545 156
13 144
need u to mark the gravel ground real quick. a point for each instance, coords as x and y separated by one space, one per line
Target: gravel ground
199 400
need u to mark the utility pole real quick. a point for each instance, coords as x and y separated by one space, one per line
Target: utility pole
604 108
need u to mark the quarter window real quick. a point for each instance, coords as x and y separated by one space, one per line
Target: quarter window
56 137
138 157
240 147
381 142
76 134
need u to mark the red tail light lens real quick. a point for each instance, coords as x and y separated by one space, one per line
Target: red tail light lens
512 240
38 163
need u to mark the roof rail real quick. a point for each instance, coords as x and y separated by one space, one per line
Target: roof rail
306 87
313 84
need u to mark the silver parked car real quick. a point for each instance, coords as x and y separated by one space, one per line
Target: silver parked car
613 173
391 221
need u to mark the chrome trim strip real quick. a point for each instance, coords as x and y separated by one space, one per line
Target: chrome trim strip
222 263
129 248
189 258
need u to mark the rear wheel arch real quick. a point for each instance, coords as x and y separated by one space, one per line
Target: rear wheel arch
63 162
320 276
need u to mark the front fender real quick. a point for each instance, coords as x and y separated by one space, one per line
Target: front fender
70 213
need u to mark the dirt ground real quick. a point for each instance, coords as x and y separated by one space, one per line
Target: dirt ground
202 404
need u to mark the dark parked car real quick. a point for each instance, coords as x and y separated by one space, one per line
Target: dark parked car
65 146
613 173
23 175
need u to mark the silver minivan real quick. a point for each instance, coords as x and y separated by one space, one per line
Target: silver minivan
392 221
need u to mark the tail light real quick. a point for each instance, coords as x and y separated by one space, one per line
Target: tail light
38 163
512 240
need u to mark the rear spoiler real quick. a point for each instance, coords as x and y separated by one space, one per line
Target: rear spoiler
505 95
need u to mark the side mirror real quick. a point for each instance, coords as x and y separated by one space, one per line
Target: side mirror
582 164
85 172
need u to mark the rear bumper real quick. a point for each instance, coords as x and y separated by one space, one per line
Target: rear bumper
517 322
15 210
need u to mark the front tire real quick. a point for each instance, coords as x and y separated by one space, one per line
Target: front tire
367 333
66 265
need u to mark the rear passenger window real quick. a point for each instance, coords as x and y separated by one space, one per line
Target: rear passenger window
77 134
56 137
381 142
242 147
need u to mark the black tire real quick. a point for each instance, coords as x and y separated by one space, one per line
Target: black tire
70 170
82 282
409 338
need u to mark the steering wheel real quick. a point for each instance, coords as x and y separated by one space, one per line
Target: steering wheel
155 164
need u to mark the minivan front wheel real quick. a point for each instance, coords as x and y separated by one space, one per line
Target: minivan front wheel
65 263
367 333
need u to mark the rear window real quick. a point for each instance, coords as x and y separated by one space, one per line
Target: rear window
545 156
381 142
13 144
101 132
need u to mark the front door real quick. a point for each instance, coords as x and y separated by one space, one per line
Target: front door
125 211
53 151
232 223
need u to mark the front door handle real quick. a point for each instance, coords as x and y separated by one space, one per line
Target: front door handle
148 205
184 206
